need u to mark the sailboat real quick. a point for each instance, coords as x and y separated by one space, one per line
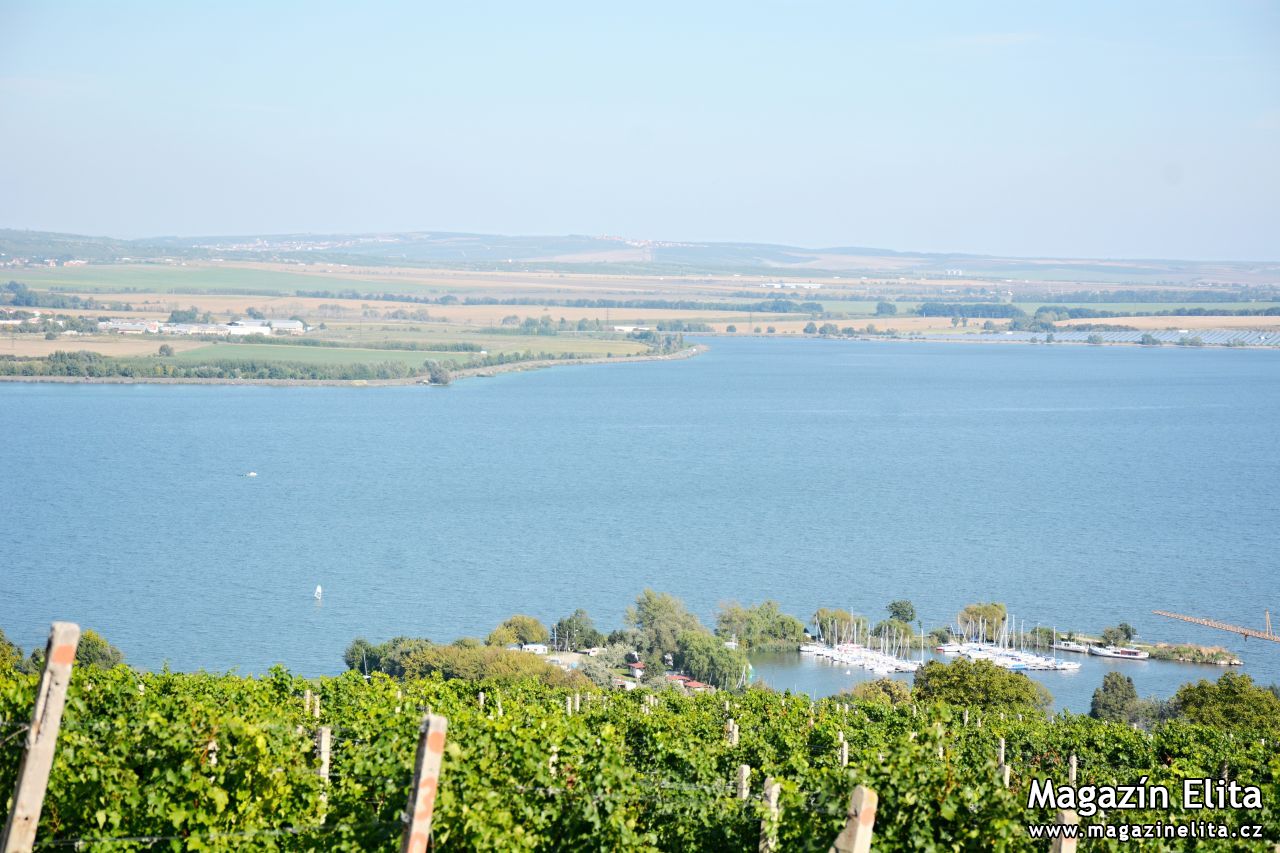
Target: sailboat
319 593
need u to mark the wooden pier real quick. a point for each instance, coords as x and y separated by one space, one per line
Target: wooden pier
1268 634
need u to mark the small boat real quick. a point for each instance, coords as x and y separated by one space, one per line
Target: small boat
1118 652
319 593
1071 646
949 648
252 474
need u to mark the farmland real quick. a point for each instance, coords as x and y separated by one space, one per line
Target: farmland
370 314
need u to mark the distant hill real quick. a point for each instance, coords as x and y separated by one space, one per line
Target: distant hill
578 253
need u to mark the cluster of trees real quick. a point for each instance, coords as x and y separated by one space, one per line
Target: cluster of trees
19 295
1001 310
94 650
93 365
52 326
757 627
1233 703
190 315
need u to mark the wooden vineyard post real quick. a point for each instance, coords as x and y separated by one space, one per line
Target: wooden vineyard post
1003 769
769 824
744 781
859 823
323 739
426 780
1062 844
1071 772
42 739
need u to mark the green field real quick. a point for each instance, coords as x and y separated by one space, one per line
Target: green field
424 336
315 355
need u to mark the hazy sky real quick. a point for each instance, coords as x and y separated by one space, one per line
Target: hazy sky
1075 128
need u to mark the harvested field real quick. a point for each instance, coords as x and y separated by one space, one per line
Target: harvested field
110 345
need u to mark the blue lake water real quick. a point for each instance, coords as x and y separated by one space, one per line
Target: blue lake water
1082 486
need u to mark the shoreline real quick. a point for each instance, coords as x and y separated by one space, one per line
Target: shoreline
464 373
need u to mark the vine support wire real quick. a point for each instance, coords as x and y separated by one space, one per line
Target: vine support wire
42 738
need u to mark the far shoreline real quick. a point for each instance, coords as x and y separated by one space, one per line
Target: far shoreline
458 375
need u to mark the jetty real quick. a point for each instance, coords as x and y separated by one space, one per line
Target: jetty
1268 634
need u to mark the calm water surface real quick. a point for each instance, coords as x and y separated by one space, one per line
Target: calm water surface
1082 486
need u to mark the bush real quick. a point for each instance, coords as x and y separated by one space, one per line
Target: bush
979 684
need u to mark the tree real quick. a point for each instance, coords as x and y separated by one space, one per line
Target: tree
166 349
1150 340
191 315
892 628
707 659
731 328
886 691
979 684
577 631
486 663
987 618
886 309
1234 703
660 618
761 625
836 625
94 650
770 330
518 629
1115 699
811 328
10 654
902 610
1094 340
389 657
437 373
1112 637
1128 630
602 667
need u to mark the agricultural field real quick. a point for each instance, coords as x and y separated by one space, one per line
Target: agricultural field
314 355
117 346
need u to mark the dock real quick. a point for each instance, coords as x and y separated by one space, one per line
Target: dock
1268 634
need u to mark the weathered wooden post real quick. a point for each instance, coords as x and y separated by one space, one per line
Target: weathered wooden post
306 701
577 702
1071 771
481 700
844 753
42 739
568 706
858 824
744 781
323 739
426 780
1063 844
769 825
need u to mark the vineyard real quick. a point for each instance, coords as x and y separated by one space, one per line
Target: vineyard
170 761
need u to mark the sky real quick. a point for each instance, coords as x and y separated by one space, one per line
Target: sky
1081 129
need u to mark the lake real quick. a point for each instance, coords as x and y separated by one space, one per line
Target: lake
1083 486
